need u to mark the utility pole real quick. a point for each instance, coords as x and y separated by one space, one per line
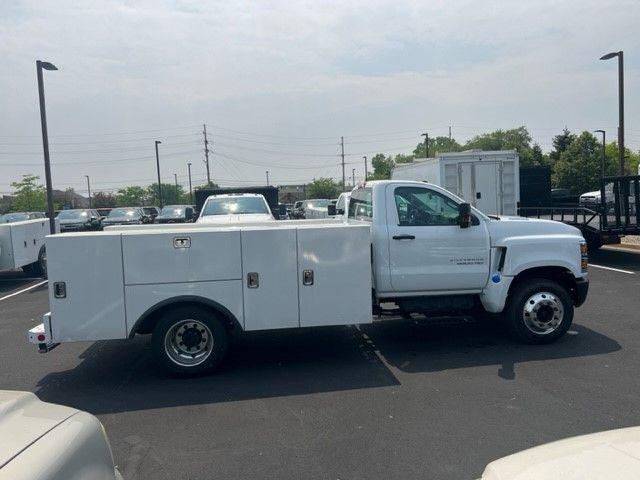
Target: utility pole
206 154
365 168
88 189
190 189
426 144
353 177
175 178
267 172
342 154
158 168
449 134
45 142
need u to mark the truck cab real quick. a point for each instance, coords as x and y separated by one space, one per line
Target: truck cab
427 258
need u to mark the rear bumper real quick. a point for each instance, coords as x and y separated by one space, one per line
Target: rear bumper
40 335
581 290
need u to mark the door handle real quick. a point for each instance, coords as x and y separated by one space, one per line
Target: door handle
404 237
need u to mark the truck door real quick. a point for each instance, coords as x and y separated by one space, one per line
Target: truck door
428 251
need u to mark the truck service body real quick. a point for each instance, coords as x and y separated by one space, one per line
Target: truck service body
411 243
22 245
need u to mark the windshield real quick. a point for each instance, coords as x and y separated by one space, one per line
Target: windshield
321 203
172 211
13 217
150 210
73 214
235 206
123 212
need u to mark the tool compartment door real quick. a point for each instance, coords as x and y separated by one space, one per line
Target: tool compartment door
153 257
334 275
91 268
270 278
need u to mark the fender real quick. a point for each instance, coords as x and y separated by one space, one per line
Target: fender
184 299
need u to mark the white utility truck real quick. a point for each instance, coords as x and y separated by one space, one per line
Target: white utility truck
410 243
488 180
22 246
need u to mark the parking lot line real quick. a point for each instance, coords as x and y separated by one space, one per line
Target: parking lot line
23 290
608 268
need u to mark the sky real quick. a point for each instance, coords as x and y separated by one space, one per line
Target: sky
279 83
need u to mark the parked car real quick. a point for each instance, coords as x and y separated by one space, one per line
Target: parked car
21 216
79 220
234 208
590 199
341 205
40 440
296 210
104 212
175 214
614 454
125 216
562 195
315 208
151 212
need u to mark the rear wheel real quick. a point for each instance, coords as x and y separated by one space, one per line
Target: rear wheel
539 311
39 267
189 341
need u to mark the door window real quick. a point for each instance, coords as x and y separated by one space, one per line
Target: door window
424 207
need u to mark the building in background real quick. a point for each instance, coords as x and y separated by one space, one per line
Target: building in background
291 193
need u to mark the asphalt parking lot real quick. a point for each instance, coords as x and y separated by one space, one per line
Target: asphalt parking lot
393 400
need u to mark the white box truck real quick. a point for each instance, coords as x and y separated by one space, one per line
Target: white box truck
488 180
409 243
22 245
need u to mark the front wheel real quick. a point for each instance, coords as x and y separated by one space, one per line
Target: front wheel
189 341
539 311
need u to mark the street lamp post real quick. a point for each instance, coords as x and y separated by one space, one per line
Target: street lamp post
45 141
604 143
158 142
426 144
267 172
365 168
353 177
190 189
88 189
620 56
175 179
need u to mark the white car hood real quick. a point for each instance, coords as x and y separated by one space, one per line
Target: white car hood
614 454
24 419
510 227
242 218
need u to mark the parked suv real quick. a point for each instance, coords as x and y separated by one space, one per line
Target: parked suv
175 214
79 220
126 216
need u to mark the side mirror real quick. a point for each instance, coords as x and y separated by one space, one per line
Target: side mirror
331 210
464 215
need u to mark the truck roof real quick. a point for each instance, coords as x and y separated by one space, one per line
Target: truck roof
227 195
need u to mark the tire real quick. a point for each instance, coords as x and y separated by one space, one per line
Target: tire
189 341
539 311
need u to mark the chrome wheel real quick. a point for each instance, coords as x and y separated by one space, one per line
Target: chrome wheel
188 342
543 313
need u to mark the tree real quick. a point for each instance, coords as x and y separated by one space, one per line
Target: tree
132 196
561 143
171 195
382 167
322 188
402 158
517 139
29 195
437 145
103 200
579 165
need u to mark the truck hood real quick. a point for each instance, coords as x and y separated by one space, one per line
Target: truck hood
604 455
24 419
510 227
241 218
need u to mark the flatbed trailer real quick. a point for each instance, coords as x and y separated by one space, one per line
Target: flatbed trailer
605 223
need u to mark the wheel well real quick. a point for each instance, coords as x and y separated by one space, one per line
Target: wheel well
147 321
558 274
